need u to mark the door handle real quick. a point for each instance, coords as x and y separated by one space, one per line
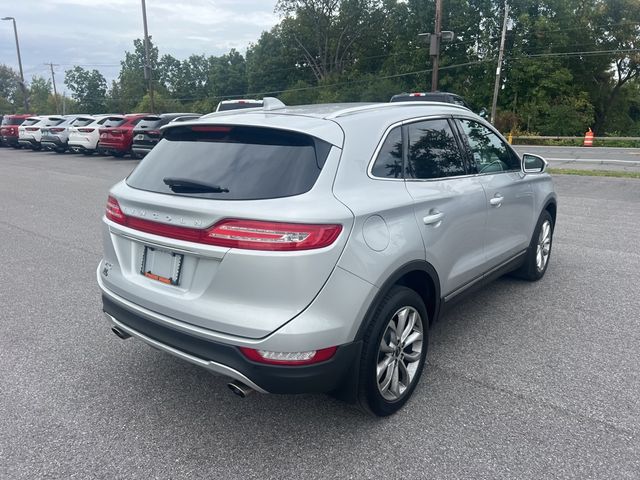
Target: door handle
433 218
496 201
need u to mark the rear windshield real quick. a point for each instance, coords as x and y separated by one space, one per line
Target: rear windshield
231 163
52 122
149 123
30 121
237 106
111 121
82 122
12 121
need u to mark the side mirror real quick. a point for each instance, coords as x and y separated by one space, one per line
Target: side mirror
533 163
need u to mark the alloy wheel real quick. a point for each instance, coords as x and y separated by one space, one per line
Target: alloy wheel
399 353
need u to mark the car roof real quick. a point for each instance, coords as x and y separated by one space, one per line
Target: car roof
325 121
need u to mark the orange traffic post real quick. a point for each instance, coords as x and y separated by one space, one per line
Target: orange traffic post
588 138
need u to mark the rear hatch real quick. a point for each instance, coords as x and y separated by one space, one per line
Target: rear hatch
231 228
10 126
28 128
147 132
119 136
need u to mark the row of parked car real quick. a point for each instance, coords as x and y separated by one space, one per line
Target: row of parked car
114 134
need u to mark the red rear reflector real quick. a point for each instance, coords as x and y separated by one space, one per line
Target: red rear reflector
289 358
232 233
86 130
210 128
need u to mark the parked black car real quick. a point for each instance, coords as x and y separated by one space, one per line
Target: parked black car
146 134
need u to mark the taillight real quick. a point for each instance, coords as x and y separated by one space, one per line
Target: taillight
289 358
259 235
32 129
232 233
86 130
114 213
56 130
153 132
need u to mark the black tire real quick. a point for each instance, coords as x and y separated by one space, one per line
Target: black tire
88 153
370 396
530 269
118 154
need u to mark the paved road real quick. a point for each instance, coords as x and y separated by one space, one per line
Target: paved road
524 380
595 158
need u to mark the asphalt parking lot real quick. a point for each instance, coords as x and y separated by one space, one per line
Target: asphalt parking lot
523 381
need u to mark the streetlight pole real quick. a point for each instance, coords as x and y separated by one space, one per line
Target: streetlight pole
147 66
22 84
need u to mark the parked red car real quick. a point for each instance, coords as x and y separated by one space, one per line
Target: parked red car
9 129
117 140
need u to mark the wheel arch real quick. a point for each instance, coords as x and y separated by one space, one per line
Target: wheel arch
418 275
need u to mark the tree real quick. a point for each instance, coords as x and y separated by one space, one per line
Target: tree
325 31
39 93
89 89
9 86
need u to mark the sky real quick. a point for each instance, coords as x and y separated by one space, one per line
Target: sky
96 33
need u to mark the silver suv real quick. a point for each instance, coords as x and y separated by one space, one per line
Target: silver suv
308 249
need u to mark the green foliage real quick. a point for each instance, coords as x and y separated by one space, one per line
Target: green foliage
368 50
39 93
89 89
162 104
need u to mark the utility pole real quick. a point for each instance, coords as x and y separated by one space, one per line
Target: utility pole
23 86
55 90
147 66
496 87
434 48
434 40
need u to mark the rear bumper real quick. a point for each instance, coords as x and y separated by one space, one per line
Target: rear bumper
226 359
113 147
141 150
52 142
28 142
9 140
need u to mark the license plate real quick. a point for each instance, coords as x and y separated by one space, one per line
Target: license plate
161 265
139 137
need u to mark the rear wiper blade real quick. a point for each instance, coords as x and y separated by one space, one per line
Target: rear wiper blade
183 185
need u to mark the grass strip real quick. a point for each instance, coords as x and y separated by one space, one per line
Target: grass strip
594 173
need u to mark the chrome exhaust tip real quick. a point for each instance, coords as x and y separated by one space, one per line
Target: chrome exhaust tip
120 333
240 389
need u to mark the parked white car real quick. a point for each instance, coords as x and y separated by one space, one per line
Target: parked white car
30 132
85 138
57 138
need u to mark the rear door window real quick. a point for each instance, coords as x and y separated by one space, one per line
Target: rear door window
231 163
433 151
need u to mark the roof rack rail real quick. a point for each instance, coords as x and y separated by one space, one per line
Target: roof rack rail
374 106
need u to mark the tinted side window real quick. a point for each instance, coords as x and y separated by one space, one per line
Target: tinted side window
388 163
490 153
433 151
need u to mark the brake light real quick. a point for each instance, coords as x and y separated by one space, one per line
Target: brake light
86 130
259 235
114 213
289 358
56 130
232 233
32 129
210 128
153 132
